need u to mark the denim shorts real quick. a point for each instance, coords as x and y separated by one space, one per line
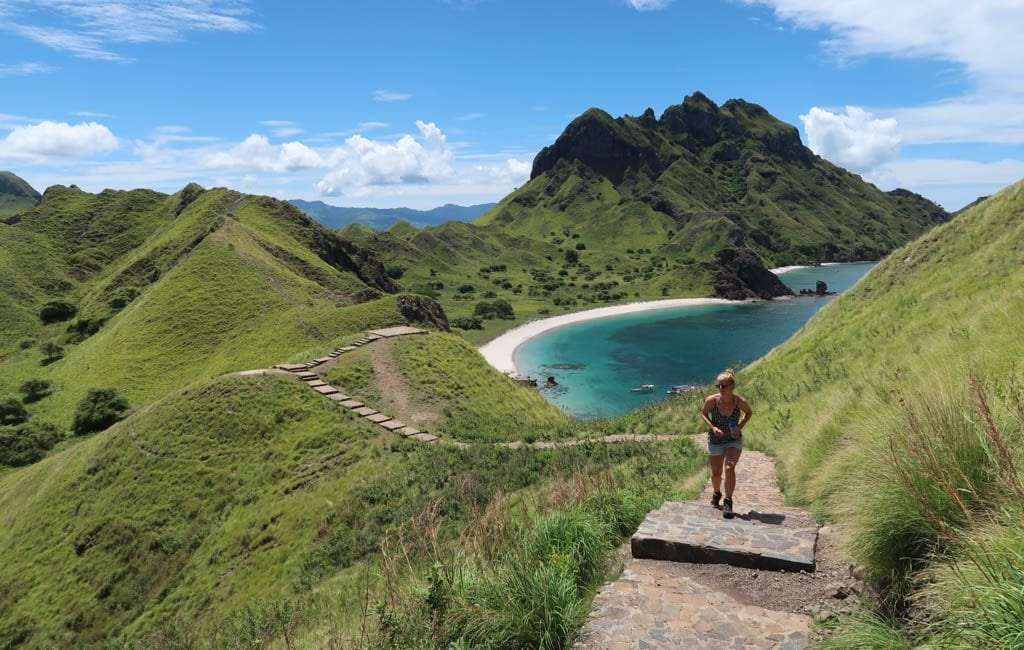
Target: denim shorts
719 448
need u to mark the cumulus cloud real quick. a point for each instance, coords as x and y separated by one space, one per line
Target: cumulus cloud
648 5
856 139
256 152
58 139
361 161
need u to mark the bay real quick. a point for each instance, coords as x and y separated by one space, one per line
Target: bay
596 362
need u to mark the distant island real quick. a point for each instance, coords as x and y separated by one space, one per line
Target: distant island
335 217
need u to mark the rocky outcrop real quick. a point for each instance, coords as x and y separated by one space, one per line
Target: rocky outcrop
739 274
424 310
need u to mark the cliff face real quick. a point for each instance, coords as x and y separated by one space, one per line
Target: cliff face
703 178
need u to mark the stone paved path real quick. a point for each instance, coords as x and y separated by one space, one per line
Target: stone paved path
653 605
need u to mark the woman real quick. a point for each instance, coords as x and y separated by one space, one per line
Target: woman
722 413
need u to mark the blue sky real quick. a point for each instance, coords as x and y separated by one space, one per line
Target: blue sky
423 102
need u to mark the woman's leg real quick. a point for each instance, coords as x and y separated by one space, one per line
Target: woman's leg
731 457
716 471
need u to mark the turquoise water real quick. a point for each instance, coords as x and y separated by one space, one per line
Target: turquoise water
596 362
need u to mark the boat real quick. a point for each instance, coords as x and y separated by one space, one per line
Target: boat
643 388
680 389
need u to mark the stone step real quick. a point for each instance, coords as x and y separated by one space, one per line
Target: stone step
392 425
307 375
339 397
364 411
348 348
378 417
313 383
292 367
424 437
696 532
352 403
325 390
410 431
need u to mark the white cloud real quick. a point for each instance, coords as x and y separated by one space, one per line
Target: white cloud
25 69
93 114
361 162
93 25
648 5
256 152
390 96
57 139
282 128
856 140
468 117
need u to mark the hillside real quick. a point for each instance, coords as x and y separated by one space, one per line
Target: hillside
335 217
15 195
165 290
897 411
699 202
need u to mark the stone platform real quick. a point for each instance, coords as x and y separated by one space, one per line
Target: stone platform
696 532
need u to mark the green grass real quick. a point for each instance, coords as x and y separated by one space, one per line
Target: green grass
252 508
897 412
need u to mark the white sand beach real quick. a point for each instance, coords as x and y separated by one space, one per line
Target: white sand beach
787 269
499 352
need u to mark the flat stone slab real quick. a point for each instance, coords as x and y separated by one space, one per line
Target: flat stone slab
410 431
378 418
339 397
392 425
402 330
325 390
696 532
313 383
651 606
291 367
364 411
322 359
306 374
424 437
348 348
372 337
352 403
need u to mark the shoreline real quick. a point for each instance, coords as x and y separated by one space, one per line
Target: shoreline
500 352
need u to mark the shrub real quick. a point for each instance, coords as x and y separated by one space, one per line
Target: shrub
499 308
467 288
580 246
122 296
100 408
394 272
35 389
27 443
471 323
12 411
56 311
572 257
51 352
25 344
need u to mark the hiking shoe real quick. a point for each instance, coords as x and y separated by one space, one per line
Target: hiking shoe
727 508
716 500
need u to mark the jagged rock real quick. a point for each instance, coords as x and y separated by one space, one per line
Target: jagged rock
421 309
821 288
550 383
739 274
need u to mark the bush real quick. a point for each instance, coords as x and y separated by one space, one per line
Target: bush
467 288
51 352
580 246
122 296
572 257
57 311
471 323
35 389
100 408
499 308
27 443
12 411
394 272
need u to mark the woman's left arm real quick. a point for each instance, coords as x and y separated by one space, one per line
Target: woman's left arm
747 413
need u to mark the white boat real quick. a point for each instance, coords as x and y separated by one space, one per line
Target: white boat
680 389
643 388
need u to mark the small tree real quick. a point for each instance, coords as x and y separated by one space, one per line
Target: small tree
56 311
468 323
395 272
572 257
51 352
12 411
100 408
35 389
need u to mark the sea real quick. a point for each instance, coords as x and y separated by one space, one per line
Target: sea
596 363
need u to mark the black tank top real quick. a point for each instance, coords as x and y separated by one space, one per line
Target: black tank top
723 422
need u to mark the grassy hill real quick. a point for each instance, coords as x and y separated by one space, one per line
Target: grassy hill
898 411
170 289
245 511
697 202
15 195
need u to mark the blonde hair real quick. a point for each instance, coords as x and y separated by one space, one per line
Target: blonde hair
726 375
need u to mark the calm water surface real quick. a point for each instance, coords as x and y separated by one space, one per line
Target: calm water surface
596 362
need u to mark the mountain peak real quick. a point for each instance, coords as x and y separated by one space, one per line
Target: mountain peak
16 195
